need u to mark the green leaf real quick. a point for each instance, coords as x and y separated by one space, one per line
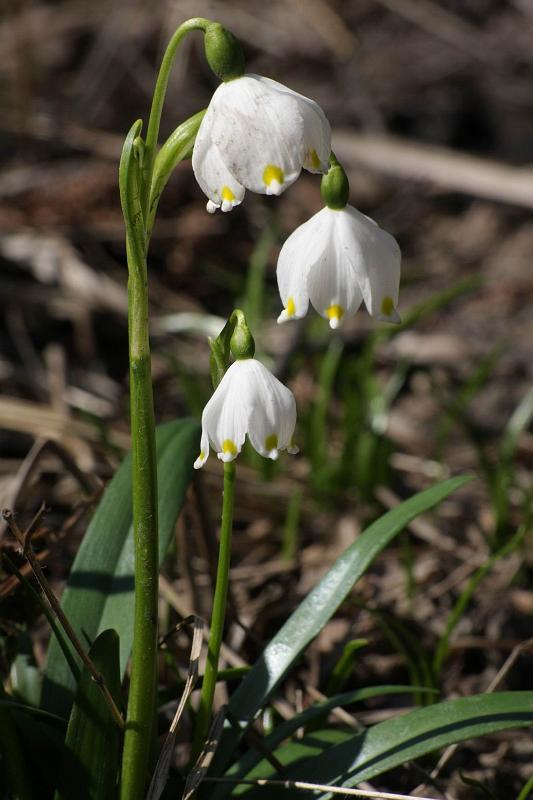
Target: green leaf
24 708
177 147
314 713
99 592
364 756
89 768
344 666
25 675
317 608
129 180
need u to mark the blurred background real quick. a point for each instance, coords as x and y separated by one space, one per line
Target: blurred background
430 104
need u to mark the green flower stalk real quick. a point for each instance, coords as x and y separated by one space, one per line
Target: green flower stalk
142 176
248 401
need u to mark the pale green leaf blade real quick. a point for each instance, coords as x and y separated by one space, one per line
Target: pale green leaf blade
394 742
315 712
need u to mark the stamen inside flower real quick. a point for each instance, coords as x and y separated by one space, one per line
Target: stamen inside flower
291 307
334 313
387 306
273 178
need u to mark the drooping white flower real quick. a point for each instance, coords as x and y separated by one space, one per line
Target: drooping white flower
337 259
250 401
257 134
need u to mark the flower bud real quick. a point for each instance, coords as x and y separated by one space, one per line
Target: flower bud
223 52
242 342
334 187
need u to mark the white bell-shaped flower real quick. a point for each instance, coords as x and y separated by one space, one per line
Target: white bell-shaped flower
257 134
249 400
337 259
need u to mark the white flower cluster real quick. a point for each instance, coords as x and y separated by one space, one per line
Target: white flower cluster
257 134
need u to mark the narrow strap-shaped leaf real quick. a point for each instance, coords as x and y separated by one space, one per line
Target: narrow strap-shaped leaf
89 768
317 608
388 744
315 712
99 591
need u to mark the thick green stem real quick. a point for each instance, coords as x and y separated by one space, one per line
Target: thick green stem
218 613
152 133
141 703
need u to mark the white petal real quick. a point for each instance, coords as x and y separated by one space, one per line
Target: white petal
215 180
273 417
204 450
226 415
333 287
316 132
317 138
376 257
259 134
305 247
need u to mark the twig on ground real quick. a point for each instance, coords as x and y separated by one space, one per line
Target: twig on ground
317 787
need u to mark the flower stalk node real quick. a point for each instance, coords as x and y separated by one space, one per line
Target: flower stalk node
223 52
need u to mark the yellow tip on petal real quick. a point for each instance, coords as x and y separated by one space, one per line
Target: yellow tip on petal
200 461
229 447
227 194
273 174
290 307
271 442
334 313
387 306
314 159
